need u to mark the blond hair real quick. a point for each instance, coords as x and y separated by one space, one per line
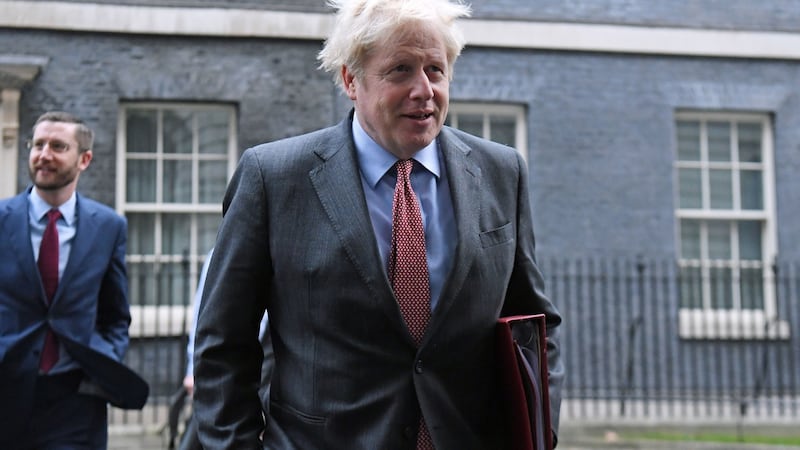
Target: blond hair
363 24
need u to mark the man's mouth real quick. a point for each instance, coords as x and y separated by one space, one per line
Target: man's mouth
422 116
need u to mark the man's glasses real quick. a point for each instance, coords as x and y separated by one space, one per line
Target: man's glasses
55 146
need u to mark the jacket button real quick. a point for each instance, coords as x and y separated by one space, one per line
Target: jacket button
418 366
409 433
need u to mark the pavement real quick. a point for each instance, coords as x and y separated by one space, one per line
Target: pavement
573 436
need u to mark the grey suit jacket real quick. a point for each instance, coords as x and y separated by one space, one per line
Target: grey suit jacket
89 312
297 239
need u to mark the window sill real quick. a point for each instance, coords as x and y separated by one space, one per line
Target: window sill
159 321
731 325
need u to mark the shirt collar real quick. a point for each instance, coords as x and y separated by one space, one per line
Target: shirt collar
374 161
41 207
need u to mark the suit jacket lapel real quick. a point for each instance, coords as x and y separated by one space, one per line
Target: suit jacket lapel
465 180
337 182
86 228
18 231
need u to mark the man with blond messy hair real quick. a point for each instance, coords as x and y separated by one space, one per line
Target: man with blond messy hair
384 250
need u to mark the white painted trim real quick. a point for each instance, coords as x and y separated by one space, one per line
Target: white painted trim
227 22
633 39
731 325
9 141
487 110
159 321
561 36
23 67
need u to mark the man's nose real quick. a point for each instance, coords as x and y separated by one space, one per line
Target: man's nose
421 86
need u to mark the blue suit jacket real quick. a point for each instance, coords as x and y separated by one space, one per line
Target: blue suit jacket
297 239
89 312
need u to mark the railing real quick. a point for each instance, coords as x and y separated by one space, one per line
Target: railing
161 307
631 351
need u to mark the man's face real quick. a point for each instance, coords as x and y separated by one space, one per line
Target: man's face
55 160
402 97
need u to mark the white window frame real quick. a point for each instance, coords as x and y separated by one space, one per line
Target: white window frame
735 323
489 110
153 320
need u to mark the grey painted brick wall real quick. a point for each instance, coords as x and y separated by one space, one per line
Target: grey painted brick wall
601 138
92 74
600 126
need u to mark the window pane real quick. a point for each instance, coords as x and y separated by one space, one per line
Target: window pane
177 181
503 130
752 288
719 141
212 127
141 283
690 188
173 284
721 193
690 239
177 131
141 233
213 181
140 181
691 287
141 131
749 142
471 123
719 240
688 140
207 227
751 187
750 240
176 231
721 297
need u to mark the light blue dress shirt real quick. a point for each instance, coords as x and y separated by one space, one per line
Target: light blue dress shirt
37 216
67 226
429 181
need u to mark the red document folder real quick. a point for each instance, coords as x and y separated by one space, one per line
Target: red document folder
522 374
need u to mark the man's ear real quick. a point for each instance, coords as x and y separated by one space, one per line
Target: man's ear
349 82
84 159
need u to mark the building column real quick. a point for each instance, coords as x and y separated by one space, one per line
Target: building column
9 145
15 72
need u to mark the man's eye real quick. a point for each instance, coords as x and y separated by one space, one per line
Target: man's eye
58 146
437 69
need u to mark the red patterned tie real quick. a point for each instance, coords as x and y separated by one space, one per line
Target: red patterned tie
48 268
408 267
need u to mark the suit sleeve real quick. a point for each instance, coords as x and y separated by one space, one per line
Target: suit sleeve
526 294
228 355
113 317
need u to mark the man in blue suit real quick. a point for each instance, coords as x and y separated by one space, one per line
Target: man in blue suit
64 312
383 287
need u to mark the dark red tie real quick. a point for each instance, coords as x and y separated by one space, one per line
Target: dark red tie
408 267
48 268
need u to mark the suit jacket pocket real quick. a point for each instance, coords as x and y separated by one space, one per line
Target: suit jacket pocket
497 236
304 430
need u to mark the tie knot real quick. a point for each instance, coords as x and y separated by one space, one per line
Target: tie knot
404 167
53 215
